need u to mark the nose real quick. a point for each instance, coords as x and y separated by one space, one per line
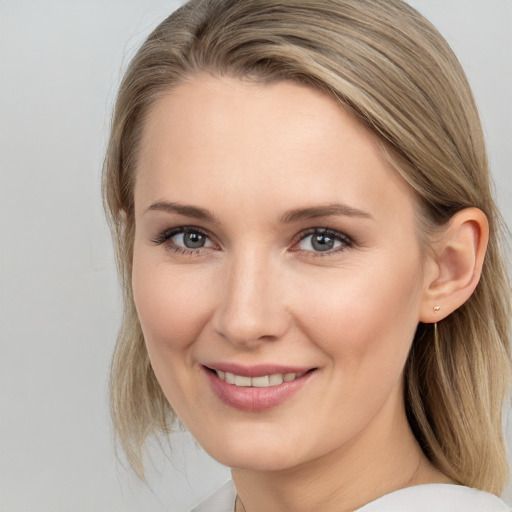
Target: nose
252 308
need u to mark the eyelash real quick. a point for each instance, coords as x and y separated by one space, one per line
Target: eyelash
165 239
346 242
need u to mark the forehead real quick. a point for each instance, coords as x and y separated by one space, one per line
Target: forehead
243 141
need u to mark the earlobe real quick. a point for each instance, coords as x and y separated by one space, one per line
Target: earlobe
458 258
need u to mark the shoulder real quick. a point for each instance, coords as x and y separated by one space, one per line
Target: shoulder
437 498
223 500
421 498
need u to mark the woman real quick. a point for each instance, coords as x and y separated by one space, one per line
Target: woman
299 196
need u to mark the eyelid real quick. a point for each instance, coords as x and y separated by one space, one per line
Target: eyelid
165 236
346 241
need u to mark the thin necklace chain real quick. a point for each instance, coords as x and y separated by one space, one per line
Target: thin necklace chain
239 506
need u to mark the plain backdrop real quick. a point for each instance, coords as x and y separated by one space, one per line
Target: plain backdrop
60 64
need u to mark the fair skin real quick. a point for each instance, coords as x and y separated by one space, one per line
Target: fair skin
234 271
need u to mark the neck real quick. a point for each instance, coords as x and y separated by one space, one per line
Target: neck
385 457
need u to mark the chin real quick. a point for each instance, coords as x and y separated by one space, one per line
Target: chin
265 455
255 461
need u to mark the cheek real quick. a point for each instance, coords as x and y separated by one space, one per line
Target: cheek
172 304
366 313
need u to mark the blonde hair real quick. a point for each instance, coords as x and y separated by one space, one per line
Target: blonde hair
392 69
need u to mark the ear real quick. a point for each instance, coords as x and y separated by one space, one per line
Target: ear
455 266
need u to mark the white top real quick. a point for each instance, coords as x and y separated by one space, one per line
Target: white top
420 498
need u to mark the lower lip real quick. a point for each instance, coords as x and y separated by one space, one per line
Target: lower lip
254 399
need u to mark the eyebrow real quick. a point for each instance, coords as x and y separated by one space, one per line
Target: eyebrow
327 210
183 209
288 217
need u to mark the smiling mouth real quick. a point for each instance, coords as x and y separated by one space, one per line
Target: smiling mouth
257 377
264 381
256 388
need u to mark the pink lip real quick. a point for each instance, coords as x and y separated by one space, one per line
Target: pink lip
253 399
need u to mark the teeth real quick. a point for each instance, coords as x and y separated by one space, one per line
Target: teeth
264 381
242 381
261 382
276 379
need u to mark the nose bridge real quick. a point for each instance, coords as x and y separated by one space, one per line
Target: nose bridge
252 307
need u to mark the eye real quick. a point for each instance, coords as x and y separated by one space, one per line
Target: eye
184 239
190 239
323 241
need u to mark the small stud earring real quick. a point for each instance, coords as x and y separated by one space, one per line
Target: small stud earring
437 309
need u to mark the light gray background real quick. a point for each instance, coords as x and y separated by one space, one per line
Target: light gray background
60 63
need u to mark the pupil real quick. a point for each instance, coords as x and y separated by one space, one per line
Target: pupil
322 243
193 240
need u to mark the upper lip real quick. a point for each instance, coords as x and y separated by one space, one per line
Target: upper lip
258 370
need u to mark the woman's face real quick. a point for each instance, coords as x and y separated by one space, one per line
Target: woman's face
277 271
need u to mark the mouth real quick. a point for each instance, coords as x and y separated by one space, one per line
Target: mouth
263 381
256 388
